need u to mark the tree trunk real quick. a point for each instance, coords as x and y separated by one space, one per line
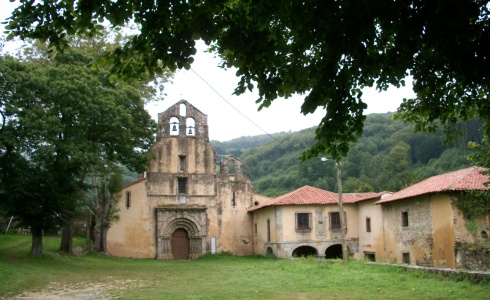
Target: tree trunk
37 240
105 224
97 231
67 238
103 240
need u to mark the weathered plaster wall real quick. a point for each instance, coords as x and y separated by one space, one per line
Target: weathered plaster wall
371 242
235 231
416 239
443 254
134 234
260 218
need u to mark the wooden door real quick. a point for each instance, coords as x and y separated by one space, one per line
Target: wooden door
180 244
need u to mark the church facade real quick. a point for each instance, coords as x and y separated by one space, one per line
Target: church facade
185 205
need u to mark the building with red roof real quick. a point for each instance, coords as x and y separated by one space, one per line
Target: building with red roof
307 222
422 225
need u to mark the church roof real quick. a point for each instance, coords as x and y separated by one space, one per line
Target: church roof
308 195
465 179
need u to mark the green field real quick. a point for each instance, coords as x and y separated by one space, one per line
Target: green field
96 276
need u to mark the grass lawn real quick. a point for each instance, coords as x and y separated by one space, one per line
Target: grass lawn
95 276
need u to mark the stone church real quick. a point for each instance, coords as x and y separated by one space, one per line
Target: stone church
186 204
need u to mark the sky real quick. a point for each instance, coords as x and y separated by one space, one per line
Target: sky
209 88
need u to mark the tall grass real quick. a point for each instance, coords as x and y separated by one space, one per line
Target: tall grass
96 276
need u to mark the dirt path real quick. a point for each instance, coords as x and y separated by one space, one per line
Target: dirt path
82 290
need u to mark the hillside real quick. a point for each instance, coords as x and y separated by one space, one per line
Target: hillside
388 156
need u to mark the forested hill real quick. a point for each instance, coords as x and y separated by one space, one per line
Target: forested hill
388 156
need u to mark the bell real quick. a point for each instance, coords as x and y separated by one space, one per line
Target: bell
190 130
174 128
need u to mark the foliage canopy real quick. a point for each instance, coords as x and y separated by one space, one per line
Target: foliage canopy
326 50
64 122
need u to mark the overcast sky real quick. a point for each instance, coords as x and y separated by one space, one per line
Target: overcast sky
232 116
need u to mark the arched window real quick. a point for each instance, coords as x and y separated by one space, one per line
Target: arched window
183 110
190 129
174 126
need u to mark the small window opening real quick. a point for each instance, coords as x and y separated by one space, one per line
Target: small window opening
406 258
128 199
255 228
335 220
405 219
268 230
370 256
182 163
303 221
231 167
368 224
233 202
182 185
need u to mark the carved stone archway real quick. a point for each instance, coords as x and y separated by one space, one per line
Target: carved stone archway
192 219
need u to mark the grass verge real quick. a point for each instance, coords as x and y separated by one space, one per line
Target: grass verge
96 276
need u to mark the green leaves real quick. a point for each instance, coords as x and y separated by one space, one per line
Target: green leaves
327 50
65 120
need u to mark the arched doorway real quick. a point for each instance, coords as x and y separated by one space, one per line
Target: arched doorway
305 251
334 251
180 244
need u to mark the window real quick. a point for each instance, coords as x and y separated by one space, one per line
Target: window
233 202
406 258
255 228
268 230
368 224
182 109
182 185
335 220
303 221
370 256
182 163
405 219
128 199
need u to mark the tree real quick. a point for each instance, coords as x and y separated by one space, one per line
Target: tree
105 193
326 50
34 153
64 121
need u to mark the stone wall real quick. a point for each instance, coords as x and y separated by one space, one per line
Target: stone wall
472 257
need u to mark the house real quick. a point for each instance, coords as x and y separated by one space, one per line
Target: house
307 222
183 207
422 225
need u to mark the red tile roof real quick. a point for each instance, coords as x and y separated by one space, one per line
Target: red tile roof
309 195
465 179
